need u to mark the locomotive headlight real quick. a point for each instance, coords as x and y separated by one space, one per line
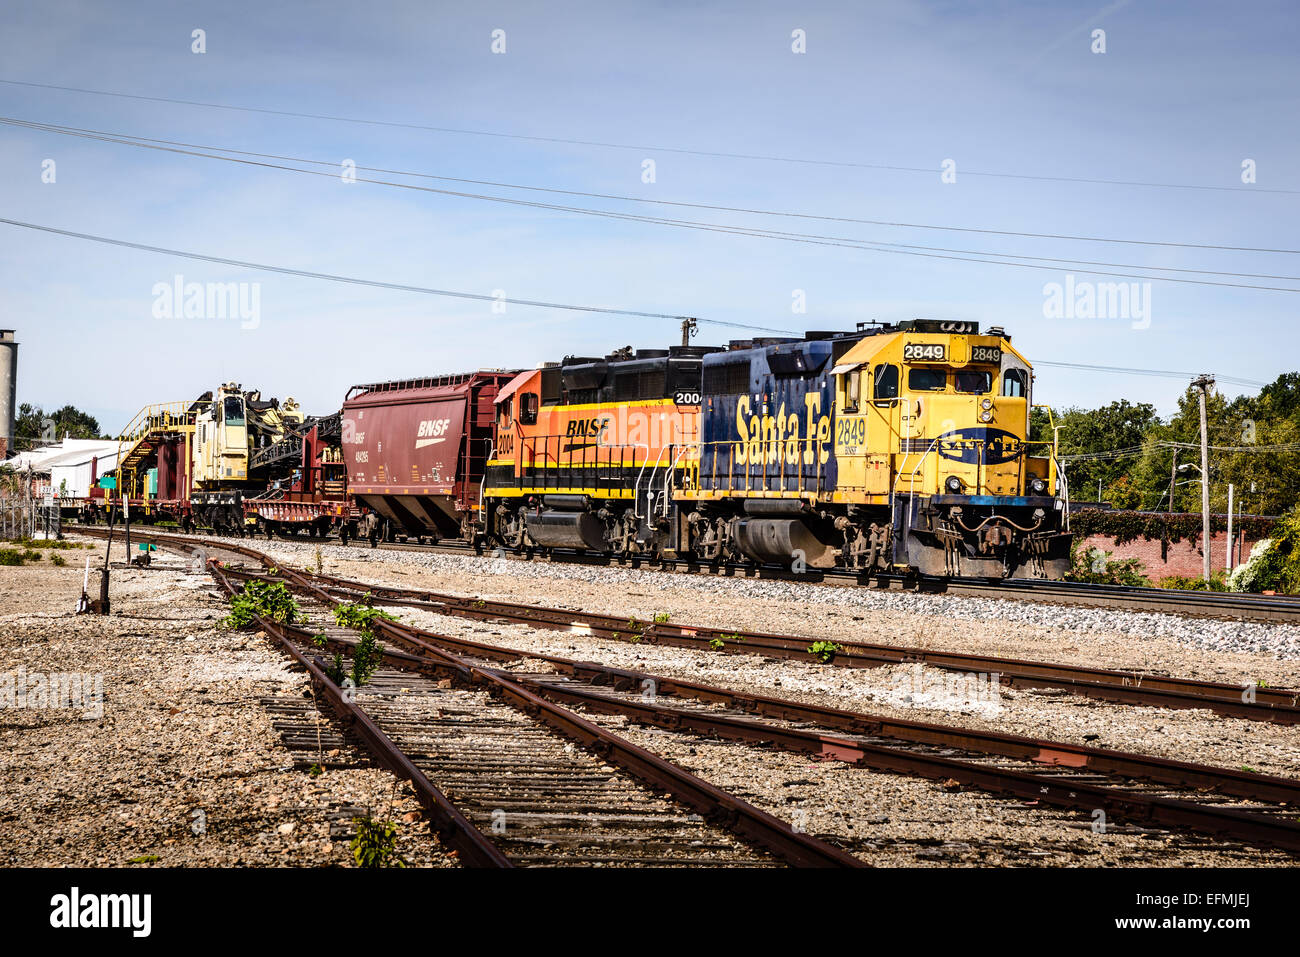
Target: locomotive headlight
953 484
986 416
986 404
1037 486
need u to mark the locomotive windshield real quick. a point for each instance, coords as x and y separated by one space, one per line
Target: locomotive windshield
926 380
975 383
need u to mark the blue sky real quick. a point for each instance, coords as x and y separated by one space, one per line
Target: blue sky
1184 93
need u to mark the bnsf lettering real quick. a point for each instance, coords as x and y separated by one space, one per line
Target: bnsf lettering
586 428
431 428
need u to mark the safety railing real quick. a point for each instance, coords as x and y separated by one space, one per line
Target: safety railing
765 465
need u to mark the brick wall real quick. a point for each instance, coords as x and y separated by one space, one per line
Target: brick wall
1182 558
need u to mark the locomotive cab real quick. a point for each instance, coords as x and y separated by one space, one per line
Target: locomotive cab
933 423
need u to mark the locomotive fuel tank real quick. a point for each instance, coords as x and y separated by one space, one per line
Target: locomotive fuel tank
783 532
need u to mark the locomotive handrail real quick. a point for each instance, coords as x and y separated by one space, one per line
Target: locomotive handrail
636 486
911 482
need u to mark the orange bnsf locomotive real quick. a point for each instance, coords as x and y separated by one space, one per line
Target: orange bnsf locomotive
894 448
589 452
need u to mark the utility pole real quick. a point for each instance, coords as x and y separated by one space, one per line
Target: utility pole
1173 478
688 329
1203 383
1231 542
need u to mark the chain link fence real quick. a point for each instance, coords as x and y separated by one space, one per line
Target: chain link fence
28 519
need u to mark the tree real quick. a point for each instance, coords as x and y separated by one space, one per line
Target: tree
33 426
1120 426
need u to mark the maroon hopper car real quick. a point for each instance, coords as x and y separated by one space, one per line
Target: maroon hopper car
415 451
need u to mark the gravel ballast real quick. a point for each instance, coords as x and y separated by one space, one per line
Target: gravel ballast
183 766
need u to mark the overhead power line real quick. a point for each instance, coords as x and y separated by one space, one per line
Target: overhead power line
929 252
332 277
1134 451
1163 373
666 202
566 141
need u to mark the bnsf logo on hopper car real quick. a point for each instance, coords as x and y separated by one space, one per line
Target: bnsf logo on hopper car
431 431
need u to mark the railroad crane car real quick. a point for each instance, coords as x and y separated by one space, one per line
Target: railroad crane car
899 448
310 490
415 452
230 427
587 452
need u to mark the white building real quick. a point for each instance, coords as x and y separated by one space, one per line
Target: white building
66 466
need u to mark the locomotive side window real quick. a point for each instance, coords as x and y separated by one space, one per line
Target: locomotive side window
885 382
975 383
505 411
1013 383
926 380
528 408
852 388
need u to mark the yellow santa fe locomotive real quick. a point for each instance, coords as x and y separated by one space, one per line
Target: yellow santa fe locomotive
892 448
895 448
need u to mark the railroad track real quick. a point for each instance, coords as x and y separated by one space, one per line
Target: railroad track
1129 788
1231 606
524 781
1252 702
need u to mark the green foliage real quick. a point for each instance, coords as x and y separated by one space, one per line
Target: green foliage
366 656
1127 527
58 560
1097 567
320 641
315 770
31 556
376 844
368 653
144 859
336 672
58 544
717 644
269 600
10 556
824 651
1274 564
69 421
1218 582
1267 481
661 617
360 614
